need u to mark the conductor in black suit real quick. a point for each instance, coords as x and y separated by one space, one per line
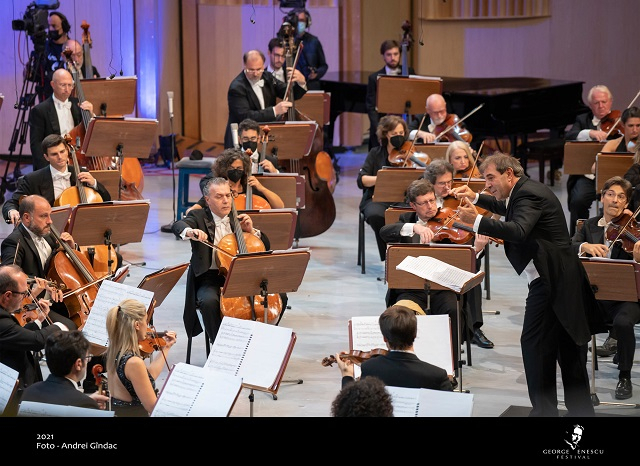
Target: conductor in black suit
391 54
58 114
400 367
204 280
560 301
67 359
253 93
51 180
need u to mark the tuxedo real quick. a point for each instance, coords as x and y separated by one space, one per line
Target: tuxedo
560 301
58 390
43 121
243 102
203 283
41 182
401 369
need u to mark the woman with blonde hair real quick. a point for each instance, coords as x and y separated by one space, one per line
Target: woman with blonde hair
462 157
131 381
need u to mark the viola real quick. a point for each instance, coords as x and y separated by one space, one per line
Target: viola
611 124
625 229
355 356
451 130
401 157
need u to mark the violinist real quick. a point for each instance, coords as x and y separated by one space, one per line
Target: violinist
630 120
592 240
204 280
132 383
67 359
31 246
253 93
439 120
581 189
50 181
462 157
440 173
391 132
400 367
18 343
58 114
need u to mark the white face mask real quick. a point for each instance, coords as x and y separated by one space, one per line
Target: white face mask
301 28
631 146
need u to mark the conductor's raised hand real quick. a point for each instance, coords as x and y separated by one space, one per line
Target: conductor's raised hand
462 191
467 211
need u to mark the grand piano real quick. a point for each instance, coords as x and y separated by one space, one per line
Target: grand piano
513 107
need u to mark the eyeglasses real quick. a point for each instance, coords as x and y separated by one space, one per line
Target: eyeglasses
254 71
23 293
612 195
428 201
88 357
444 183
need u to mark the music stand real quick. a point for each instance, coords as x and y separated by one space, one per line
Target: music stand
291 139
315 105
405 94
460 256
133 137
392 183
108 223
60 217
579 156
289 186
435 150
111 97
160 283
615 280
263 274
278 224
610 164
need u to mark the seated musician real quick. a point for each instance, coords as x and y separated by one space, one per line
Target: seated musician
436 108
592 241
400 367
50 181
440 174
204 280
391 134
32 246
463 158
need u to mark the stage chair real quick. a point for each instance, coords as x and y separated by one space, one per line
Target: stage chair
186 168
207 340
361 226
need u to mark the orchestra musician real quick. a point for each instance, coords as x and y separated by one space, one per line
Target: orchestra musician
32 246
132 383
58 114
17 342
536 240
591 241
630 120
400 367
436 108
77 52
440 173
462 157
366 397
204 280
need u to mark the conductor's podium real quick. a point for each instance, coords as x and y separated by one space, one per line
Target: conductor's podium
187 168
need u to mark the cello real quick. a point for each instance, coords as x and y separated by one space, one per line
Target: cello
317 168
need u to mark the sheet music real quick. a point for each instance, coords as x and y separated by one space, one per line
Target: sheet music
250 349
432 343
422 402
192 391
110 294
8 379
35 409
437 271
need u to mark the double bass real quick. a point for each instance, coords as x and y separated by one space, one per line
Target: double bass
317 168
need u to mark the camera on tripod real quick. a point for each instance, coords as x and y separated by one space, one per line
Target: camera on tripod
35 22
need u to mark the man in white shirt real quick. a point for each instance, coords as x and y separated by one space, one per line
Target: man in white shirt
276 59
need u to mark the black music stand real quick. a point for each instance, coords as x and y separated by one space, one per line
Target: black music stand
405 95
460 256
121 138
112 97
60 217
160 283
615 280
263 274
108 223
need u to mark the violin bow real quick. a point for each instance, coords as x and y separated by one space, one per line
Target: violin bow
620 117
35 301
446 130
155 337
293 67
413 142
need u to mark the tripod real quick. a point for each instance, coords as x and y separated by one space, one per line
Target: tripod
19 134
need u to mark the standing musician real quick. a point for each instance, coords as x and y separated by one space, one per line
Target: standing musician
204 280
253 93
391 133
58 114
32 246
591 241
440 173
77 52
400 367
17 342
536 241
50 181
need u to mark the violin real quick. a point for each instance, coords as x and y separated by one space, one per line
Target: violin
452 130
625 229
355 356
611 124
440 225
152 342
401 157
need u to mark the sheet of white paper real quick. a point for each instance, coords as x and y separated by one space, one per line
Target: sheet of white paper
110 294
422 402
437 271
8 378
35 409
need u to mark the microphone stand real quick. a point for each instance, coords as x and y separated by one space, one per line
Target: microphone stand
168 228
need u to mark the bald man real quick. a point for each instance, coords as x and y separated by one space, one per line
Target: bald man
436 108
77 54
253 93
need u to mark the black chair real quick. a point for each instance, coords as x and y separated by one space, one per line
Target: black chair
361 226
190 338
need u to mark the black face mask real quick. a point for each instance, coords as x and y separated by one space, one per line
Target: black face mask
54 35
252 145
235 174
397 141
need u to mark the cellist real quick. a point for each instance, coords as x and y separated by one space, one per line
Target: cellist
204 279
